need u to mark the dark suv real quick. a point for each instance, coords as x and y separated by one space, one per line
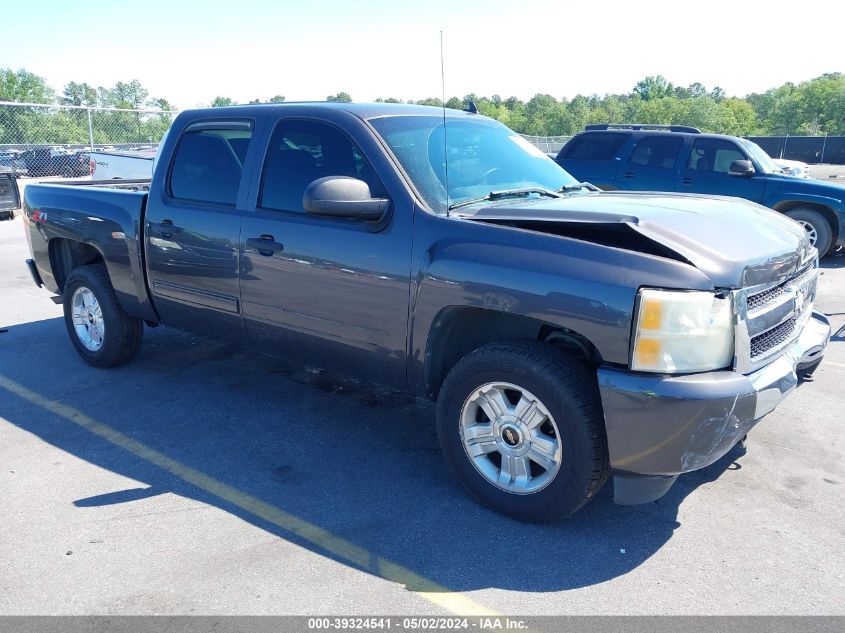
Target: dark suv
679 158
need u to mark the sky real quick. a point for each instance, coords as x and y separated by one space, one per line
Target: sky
189 51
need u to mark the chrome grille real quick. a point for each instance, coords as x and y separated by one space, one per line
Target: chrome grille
760 299
769 317
770 339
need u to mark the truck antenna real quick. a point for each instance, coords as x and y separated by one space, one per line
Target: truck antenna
445 148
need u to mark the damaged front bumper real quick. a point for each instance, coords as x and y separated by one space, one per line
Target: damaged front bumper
661 426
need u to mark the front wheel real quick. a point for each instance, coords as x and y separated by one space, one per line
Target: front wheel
818 229
520 425
102 333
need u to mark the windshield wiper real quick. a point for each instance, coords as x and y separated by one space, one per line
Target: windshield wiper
577 187
506 193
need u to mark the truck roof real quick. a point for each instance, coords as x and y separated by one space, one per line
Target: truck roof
363 110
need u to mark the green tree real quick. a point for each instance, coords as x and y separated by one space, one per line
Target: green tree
431 101
77 94
161 103
340 97
222 102
653 87
24 86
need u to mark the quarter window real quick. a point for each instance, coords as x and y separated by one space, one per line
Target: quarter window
208 162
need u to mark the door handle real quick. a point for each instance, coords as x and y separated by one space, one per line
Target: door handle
628 175
265 245
165 228
686 181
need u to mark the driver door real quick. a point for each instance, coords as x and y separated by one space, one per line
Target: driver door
330 292
707 171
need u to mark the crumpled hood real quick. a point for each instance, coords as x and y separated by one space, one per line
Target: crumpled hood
734 242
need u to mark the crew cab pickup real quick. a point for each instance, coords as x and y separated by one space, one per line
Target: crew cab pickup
679 158
567 334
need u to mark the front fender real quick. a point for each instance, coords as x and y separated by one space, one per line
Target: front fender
584 287
780 201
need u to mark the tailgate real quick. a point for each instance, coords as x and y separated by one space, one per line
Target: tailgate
10 198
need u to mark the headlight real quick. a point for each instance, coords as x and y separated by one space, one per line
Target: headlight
682 332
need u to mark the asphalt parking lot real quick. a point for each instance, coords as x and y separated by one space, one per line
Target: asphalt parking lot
203 480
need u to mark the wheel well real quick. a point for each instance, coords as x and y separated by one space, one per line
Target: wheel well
457 331
828 213
66 255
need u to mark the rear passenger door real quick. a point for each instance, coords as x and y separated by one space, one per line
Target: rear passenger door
192 228
592 157
328 291
652 165
707 170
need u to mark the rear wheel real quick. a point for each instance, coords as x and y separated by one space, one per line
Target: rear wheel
819 231
520 425
103 335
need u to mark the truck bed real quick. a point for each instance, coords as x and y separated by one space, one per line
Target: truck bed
106 216
139 184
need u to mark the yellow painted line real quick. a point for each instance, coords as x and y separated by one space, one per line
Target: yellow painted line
341 548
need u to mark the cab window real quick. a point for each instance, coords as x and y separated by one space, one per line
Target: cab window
713 155
208 162
601 146
657 151
301 152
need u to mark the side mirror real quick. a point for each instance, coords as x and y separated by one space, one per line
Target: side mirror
343 197
742 168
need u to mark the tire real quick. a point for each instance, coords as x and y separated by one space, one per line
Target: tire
119 335
815 224
564 389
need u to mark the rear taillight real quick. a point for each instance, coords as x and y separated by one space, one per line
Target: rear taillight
92 166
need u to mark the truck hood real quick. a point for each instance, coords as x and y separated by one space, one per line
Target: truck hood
735 242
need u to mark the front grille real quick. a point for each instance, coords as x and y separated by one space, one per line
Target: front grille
769 318
756 301
762 343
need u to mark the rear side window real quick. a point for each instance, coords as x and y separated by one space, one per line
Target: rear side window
657 151
303 151
601 146
208 162
710 154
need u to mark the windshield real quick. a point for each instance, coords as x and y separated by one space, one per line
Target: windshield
758 154
483 156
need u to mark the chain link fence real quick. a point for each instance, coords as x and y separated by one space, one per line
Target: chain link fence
38 140
547 144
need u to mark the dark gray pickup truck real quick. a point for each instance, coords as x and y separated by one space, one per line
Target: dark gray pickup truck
568 335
